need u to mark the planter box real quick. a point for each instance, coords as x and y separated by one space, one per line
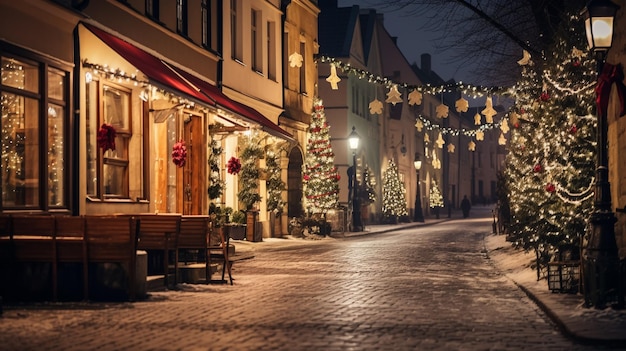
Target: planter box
237 232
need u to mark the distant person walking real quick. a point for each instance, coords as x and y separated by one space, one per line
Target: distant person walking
465 206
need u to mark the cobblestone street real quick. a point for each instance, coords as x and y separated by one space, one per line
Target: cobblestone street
415 289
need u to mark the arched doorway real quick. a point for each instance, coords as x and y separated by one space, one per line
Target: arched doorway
294 184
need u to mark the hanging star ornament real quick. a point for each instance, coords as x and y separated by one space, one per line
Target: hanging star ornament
394 96
480 135
489 111
461 105
376 107
426 138
333 79
415 97
451 148
514 118
435 162
442 111
525 59
295 60
477 119
419 125
471 146
440 141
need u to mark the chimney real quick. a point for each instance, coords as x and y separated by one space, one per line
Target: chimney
426 63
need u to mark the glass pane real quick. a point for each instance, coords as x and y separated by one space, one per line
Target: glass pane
114 180
91 126
20 75
171 167
19 150
116 108
56 126
56 81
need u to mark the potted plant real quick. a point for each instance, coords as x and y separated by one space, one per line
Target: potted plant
249 184
275 188
238 225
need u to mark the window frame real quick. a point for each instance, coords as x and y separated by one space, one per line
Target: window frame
45 66
182 17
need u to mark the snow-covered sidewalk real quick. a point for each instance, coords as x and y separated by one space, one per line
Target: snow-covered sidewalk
566 310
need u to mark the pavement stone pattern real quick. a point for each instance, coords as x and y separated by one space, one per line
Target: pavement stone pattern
419 288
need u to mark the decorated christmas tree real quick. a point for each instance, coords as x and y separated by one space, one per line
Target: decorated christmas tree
394 194
321 179
367 193
435 199
551 161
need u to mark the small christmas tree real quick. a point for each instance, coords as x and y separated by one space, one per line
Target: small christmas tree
435 199
275 184
394 194
249 174
367 194
321 180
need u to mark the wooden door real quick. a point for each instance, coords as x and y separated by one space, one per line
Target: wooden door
193 196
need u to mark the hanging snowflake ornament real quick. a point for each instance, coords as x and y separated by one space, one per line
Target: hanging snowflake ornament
179 153
525 60
477 119
442 111
489 111
376 107
440 142
415 97
504 126
471 146
502 139
451 148
426 138
333 79
480 135
394 96
514 118
419 125
295 60
461 105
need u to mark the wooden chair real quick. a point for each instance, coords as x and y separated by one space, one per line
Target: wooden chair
32 241
71 246
219 240
194 235
113 239
160 232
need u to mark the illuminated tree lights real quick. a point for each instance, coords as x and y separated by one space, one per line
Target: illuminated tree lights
320 177
550 166
394 194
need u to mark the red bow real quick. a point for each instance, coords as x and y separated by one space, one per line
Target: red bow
610 74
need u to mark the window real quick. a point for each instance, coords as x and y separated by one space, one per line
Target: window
181 17
210 25
235 41
108 171
286 54
271 50
152 9
256 48
34 108
303 69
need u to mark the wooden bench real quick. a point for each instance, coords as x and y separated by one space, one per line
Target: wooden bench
113 239
159 232
71 246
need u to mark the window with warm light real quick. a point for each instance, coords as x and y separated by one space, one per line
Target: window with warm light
34 99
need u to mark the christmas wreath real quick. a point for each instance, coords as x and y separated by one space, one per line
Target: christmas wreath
234 165
106 137
179 153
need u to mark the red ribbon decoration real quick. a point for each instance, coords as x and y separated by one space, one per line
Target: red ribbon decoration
610 74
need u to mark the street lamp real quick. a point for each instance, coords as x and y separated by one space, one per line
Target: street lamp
600 257
418 216
354 139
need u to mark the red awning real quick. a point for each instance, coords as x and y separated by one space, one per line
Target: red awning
244 111
175 78
157 71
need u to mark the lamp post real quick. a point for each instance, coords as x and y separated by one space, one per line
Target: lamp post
600 256
354 139
418 216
